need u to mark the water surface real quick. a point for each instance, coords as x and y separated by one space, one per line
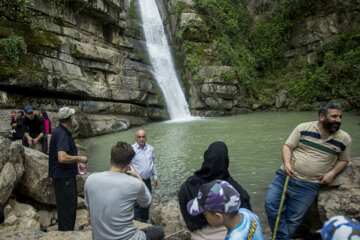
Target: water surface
254 142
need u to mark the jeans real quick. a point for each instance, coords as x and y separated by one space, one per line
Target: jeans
298 198
142 214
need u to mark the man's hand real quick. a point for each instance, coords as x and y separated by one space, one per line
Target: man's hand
288 169
286 154
327 178
156 182
82 159
131 171
30 141
35 141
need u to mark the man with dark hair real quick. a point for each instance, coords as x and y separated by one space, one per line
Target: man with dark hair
144 163
110 196
320 151
34 130
63 160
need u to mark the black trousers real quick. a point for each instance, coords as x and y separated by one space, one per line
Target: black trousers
154 233
43 141
142 214
66 202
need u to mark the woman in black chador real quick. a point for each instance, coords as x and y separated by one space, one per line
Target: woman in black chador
215 166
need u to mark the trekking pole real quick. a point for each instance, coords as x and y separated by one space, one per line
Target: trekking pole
281 203
173 234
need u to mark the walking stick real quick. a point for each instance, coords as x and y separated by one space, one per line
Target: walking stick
281 203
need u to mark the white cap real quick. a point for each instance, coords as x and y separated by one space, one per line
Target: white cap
65 112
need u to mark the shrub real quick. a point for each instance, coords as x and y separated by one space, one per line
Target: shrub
15 47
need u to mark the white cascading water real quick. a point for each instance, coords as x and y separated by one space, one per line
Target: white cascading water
161 60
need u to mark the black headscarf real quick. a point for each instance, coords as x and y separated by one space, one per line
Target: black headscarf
215 166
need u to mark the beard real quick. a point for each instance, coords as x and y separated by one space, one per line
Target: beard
331 126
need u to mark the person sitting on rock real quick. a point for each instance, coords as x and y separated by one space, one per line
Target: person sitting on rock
34 130
18 125
110 196
215 166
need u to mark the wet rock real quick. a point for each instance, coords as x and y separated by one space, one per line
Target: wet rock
168 216
82 219
281 99
341 197
35 182
11 166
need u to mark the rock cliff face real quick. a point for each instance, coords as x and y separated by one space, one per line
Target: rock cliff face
214 89
89 57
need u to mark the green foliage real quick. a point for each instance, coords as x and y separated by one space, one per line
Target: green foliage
16 10
225 18
194 56
133 14
193 30
229 25
15 48
335 75
271 36
270 40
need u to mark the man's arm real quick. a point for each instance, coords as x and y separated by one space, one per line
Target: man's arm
156 181
38 138
65 158
286 154
327 178
131 171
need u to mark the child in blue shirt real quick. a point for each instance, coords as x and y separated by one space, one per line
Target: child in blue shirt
220 202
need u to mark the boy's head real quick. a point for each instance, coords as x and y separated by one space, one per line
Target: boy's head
121 154
217 200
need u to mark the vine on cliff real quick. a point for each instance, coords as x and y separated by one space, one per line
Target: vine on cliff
15 47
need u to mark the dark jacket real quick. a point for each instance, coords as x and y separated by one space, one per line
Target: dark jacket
215 166
34 127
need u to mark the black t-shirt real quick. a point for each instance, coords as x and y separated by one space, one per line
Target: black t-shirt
34 127
61 140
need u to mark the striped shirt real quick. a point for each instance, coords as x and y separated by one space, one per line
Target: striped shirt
144 161
315 155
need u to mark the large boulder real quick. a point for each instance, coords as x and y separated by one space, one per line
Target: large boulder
341 197
38 235
11 167
35 183
168 216
19 216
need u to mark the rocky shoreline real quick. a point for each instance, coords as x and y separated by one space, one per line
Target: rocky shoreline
30 210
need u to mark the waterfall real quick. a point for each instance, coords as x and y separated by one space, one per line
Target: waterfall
161 60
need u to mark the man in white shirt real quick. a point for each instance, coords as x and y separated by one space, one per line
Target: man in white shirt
144 163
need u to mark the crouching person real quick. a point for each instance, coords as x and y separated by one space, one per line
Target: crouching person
110 196
220 202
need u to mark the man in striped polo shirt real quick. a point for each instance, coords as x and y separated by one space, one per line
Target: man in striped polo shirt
320 151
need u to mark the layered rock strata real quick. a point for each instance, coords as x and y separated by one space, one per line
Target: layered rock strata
89 56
